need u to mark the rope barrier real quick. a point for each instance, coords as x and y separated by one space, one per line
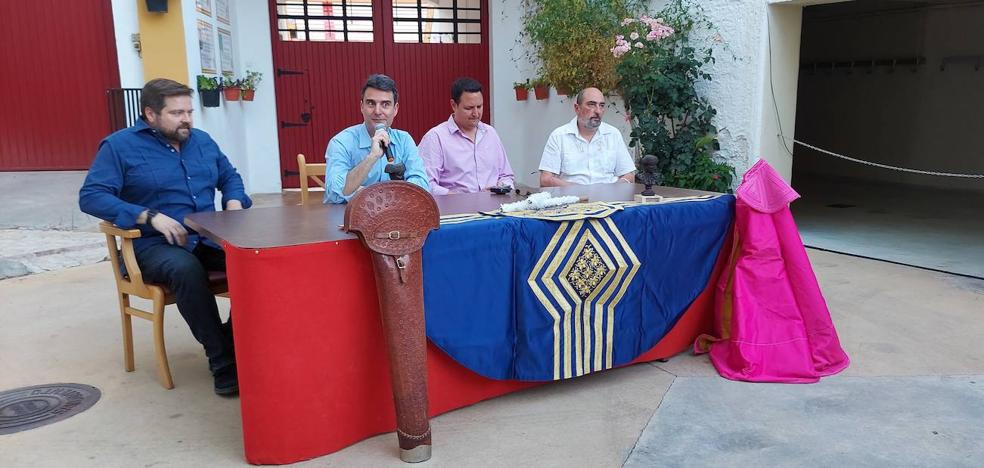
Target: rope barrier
883 166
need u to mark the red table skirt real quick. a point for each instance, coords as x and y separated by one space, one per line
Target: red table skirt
313 370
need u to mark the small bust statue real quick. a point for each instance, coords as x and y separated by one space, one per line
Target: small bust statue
395 170
649 173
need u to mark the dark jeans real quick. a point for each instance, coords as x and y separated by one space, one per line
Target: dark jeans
186 275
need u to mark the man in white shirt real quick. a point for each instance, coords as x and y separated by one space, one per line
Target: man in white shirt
586 150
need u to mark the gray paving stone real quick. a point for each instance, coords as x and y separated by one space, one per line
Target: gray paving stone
28 251
841 421
12 269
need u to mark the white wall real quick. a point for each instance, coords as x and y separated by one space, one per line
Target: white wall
779 74
246 131
524 125
745 118
260 119
124 24
928 119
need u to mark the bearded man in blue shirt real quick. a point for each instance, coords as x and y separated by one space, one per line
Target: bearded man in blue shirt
150 176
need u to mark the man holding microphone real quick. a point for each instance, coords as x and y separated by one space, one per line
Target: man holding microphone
359 155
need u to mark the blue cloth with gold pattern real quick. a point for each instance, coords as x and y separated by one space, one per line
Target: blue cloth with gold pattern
538 300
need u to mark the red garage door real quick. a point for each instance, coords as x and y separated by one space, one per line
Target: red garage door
323 50
58 60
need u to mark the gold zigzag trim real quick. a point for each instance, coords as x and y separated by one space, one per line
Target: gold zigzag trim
542 297
592 249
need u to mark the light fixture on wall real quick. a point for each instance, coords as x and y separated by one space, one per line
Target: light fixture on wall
157 6
135 40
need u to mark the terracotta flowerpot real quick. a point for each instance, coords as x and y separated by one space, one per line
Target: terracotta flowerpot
248 94
541 92
231 94
563 91
522 94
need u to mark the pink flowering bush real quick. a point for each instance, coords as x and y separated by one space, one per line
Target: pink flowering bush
658 68
652 29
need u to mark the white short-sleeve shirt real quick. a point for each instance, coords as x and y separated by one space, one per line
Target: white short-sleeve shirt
576 160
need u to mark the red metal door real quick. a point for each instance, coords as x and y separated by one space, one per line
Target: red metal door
424 71
322 54
58 60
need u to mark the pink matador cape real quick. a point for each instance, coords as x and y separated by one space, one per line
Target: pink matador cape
771 320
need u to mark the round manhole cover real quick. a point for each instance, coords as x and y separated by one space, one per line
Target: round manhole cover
29 407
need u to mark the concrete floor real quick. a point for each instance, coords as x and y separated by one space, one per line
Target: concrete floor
931 228
843 421
895 322
904 329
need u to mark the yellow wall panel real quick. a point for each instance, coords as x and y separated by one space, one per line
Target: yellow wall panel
162 41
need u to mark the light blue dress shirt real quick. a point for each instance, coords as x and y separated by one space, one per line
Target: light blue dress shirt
351 146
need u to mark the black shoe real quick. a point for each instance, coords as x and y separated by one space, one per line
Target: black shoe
226 381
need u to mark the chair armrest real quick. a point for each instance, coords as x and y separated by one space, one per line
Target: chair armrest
123 253
111 229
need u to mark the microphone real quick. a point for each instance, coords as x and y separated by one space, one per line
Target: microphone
395 171
384 146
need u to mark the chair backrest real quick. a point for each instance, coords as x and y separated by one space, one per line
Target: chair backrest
120 245
312 170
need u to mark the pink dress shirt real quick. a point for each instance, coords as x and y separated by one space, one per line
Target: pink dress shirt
455 163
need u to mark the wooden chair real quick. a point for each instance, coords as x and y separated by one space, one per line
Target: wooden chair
312 170
120 244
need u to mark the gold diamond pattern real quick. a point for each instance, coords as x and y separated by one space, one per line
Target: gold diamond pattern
587 272
581 290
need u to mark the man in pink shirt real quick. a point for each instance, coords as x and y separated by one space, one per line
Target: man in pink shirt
464 154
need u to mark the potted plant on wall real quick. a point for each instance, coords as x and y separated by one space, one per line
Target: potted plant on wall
248 87
522 89
541 88
208 90
230 88
569 53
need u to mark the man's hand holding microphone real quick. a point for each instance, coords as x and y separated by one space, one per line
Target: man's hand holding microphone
380 144
394 169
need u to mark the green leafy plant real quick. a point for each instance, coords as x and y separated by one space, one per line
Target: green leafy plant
207 83
230 82
252 80
522 84
540 81
659 65
571 39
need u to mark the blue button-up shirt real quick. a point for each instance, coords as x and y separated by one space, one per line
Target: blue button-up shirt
351 146
137 168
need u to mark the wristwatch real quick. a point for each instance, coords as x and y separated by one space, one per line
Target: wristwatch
151 213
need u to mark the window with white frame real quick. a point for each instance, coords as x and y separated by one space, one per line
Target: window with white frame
437 21
325 20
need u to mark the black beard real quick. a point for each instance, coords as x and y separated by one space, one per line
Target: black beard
176 135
